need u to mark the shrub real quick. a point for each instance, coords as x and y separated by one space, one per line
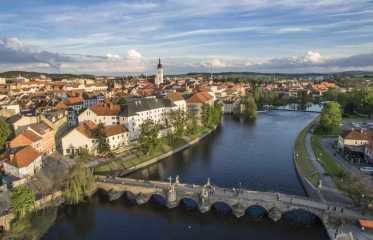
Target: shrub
83 153
17 226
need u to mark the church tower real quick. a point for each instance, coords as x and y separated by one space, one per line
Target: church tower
159 74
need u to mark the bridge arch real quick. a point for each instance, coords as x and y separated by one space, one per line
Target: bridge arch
301 215
189 202
221 207
256 212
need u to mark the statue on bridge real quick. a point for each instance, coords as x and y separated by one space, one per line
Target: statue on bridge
208 182
177 179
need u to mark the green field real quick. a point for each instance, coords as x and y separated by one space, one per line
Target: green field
301 157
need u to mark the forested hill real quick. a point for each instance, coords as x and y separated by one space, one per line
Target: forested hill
53 76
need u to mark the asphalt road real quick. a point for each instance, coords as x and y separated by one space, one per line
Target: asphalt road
329 190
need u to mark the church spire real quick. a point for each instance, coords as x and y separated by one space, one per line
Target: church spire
159 64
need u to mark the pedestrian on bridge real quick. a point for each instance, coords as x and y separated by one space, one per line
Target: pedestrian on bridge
233 190
334 209
341 209
291 200
224 190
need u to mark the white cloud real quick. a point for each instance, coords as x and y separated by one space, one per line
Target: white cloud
113 56
14 51
132 54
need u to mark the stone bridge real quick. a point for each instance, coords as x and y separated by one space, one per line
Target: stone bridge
142 191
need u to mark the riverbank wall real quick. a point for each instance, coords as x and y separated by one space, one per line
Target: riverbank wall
154 160
310 189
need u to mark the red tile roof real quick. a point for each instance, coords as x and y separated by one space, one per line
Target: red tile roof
105 109
24 157
199 98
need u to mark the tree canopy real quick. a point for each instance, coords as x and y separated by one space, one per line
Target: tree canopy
366 104
79 183
148 140
207 118
122 100
330 117
22 199
4 133
103 146
179 119
250 107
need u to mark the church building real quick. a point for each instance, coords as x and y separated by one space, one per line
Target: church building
159 74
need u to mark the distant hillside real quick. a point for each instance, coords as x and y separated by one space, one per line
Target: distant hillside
250 74
53 76
269 75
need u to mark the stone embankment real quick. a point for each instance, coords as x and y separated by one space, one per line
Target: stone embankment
154 160
310 189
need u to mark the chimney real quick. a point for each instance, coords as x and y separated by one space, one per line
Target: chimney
111 106
352 129
11 156
362 131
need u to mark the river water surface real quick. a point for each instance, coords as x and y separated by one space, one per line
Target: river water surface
257 154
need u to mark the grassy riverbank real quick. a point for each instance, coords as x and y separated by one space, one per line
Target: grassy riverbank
303 162
38 224
111 168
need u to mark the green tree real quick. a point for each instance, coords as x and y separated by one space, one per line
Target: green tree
82 110
4 132
250 107
217 112
358 192
207 117
21 200
122 100
78 183
179 119
332 94
103 146
330 117
83 153
195 128
148 140
366 104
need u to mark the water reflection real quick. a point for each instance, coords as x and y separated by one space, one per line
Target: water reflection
153 220
257 154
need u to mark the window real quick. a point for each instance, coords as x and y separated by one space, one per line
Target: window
117 117
133 118
113 118
67 150
104 117
133 124
93 141
118 136
113 146
113 122
96 120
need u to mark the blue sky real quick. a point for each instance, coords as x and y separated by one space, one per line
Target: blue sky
126 38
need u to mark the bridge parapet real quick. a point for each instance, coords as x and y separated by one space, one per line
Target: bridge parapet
143 192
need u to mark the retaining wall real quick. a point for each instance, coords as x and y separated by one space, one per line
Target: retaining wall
154 160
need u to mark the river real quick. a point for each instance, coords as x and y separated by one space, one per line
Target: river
257 154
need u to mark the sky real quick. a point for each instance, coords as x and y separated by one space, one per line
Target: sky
128 37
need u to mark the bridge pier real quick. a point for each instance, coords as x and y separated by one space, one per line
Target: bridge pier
238 210
204 202
275 213
171 199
